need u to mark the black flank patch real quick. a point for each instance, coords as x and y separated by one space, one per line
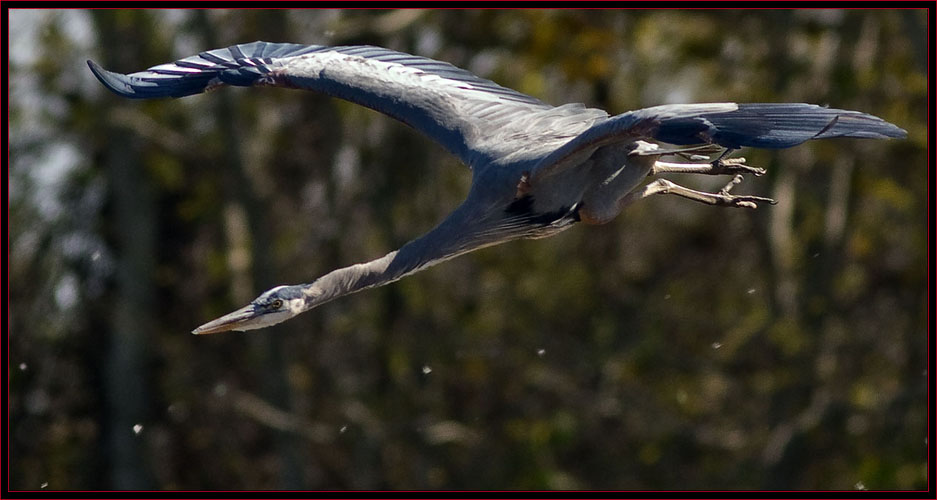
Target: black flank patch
523 208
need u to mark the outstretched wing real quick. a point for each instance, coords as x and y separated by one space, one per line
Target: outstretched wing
729 125
464 113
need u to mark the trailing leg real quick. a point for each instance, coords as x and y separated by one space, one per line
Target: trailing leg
726 166
722 198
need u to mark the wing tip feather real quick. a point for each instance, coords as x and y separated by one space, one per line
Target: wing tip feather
115 82
102 75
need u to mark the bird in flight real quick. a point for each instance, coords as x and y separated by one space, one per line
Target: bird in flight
536 169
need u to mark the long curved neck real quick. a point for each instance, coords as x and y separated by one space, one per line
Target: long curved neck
354 278
454 236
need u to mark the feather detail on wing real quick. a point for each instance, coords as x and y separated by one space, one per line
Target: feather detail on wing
475 119
729 125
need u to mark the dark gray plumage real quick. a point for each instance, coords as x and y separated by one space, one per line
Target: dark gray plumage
537 169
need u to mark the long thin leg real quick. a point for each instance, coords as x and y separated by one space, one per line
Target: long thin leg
699 151
718 167
722 198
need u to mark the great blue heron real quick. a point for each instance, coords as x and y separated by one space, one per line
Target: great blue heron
537 169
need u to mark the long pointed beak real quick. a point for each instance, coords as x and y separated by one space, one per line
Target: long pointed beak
231 321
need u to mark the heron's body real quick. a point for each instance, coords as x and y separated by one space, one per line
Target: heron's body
537 169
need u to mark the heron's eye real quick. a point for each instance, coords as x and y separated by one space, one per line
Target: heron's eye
276 304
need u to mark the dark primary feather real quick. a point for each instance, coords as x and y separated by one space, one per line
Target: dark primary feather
245 64
452 106
730 125
781 125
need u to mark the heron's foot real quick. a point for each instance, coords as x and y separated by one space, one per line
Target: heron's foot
735 166
721 198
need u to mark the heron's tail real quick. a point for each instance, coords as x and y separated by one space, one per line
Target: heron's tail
762 125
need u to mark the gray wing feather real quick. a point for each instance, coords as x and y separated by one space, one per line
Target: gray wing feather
474 118
772 125
730 125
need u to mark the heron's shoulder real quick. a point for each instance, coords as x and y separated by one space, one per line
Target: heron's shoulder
527 138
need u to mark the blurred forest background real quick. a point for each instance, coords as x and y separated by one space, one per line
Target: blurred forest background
679 347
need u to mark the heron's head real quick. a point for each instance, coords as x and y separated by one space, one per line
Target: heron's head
271 307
